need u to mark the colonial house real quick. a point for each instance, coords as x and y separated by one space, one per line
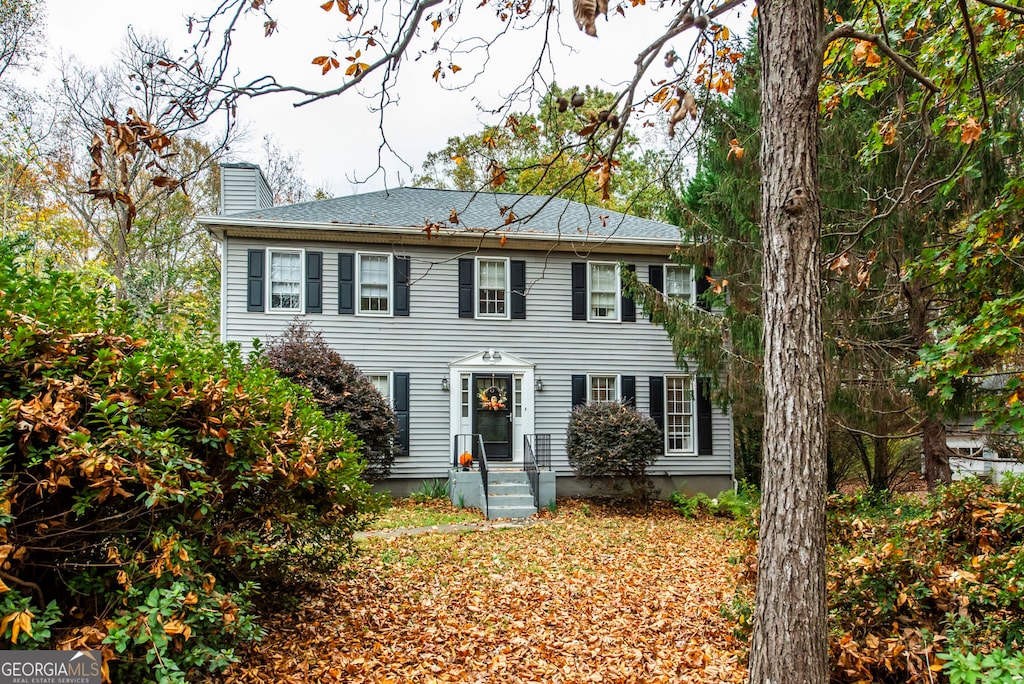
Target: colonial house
483 317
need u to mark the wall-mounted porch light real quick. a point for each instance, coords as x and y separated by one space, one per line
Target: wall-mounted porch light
444 384
538 385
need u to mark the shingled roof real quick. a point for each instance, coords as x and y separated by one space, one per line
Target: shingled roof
416 207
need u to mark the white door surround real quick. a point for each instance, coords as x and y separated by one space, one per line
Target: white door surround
522 394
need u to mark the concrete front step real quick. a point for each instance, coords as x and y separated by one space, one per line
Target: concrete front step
495 512
508 495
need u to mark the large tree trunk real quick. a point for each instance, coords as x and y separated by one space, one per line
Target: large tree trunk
936 454
933 430
790 642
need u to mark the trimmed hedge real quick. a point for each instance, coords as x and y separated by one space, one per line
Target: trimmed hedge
610 439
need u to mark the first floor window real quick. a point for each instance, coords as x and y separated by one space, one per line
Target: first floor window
604 292
492 275
285 280
604 388
679 414
375 283
381 383
678 283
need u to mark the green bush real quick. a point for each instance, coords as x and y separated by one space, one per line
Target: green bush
430 490
148 485
609 439
339 388
695 506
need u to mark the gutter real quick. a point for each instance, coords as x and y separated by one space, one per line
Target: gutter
220 227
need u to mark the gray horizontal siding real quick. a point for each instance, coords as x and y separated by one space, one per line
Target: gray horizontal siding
424 343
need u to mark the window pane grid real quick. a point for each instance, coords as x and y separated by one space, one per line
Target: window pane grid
285 280
373 283
678 284
679 407
603 388
382 383
492 288
465 396
517 395
604 291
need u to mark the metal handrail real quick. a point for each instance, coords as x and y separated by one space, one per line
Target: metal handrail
532 471
483 473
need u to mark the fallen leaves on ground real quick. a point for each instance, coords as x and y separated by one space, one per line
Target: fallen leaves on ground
590 594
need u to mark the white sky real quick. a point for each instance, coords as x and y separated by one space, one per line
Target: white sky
337 139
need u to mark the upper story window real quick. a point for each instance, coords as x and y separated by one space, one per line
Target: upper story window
285 280
603 291
679 283
679 414
603 388
492 288
374 278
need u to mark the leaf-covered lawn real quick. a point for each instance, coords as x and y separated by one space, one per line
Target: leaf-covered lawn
589 594
407 513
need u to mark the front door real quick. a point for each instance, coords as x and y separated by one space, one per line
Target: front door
492 414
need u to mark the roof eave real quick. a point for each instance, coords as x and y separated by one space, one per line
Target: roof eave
219 226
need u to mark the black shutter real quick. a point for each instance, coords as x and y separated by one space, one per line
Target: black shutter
656 277
703 286
518 281
629 390
579 390
628 305
403 275
465 288
346 283
401 403
657 390
314 282
256 277
579 291
703 417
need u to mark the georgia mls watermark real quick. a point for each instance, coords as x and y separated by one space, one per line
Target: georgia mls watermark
51 667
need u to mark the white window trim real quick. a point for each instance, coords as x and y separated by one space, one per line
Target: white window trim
618 293
693 282
270 280
692 451
508 289
391 383
618 385
359 285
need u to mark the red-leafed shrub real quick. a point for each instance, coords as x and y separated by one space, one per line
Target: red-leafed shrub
339 388
609 439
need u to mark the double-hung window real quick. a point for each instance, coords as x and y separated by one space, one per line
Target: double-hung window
679 414
285 280
381 383
492 288
603 291
603 388
374 278
679 283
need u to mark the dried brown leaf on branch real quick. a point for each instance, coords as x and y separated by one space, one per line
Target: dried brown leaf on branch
586 12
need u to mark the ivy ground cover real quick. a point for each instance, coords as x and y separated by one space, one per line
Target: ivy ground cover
588 594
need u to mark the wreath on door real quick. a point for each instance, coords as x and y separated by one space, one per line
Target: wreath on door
493 398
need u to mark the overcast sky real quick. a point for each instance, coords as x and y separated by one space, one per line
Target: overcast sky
337 139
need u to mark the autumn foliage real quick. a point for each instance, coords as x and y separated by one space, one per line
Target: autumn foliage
149 484
339 388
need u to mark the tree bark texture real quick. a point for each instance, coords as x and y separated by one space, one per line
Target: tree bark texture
790 641
933 431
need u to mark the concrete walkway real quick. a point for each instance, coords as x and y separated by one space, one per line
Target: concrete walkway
480 526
